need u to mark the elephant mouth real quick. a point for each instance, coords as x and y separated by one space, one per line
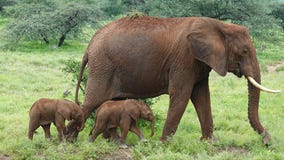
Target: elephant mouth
236 69
238 72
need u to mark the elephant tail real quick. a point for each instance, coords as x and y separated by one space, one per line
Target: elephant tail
83 65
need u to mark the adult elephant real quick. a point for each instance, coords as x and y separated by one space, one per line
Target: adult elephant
144 57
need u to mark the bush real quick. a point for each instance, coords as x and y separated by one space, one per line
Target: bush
72 66
50 21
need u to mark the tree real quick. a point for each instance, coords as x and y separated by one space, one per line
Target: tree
278 12
119 7
166 8
72 17
234 10
251 13
30 22
50 20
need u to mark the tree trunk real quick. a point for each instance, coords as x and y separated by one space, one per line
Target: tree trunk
61 40
45 39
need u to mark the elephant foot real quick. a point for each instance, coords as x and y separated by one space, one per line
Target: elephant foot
123 146
61 142
70 140
211 139
266 138
164 140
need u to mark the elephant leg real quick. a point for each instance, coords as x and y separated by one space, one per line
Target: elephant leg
179 97
106 134
114 135
94 97
124 126
60 134
111 134
46 129
60 126
96 93
201 100
124 132
95 135
97 130
33 125
136 130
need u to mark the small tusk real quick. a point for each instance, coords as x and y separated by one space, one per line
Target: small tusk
257 85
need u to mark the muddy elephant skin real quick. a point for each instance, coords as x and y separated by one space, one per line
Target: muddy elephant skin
123 114
46 111
145 57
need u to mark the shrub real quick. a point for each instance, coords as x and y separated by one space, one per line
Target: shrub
72 66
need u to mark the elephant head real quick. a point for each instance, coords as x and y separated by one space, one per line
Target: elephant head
143 112
229 48
73 113
76 124
78 116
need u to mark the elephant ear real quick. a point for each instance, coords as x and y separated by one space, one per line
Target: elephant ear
65 111
207 44
133 111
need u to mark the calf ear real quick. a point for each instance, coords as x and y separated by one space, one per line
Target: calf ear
65 112
133 111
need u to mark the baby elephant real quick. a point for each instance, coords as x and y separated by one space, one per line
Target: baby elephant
123 114
45 111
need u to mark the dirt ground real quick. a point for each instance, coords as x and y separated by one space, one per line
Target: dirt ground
272 68
4 157
120 154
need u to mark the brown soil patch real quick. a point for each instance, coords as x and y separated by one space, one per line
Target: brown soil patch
120 154
272 68
4 157
233 150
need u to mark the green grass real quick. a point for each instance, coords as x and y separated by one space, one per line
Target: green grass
25 77
270 51
32 70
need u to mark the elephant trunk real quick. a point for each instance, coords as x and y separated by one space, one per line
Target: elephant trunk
81 126
253 104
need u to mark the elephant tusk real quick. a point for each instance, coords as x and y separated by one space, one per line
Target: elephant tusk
257 85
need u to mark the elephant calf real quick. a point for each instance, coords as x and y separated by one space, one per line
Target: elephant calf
123 114
45 111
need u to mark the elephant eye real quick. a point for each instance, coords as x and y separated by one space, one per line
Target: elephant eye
245 52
